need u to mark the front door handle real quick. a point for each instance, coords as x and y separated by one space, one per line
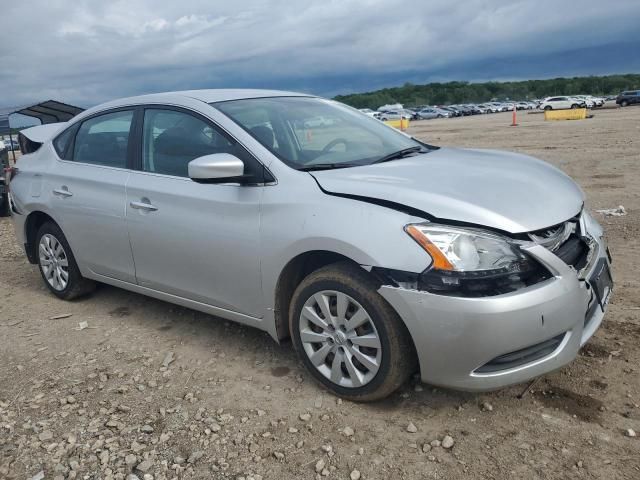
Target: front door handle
62 192
143 206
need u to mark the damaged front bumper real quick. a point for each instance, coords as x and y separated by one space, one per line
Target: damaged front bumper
485 343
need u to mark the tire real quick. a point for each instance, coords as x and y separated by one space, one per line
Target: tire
52 246
393 358
548 107
574 106
624 103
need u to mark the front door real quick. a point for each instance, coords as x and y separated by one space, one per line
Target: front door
197 241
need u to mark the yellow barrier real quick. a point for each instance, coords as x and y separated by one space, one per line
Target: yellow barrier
573 114
402 124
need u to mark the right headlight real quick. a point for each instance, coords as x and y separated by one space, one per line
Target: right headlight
473 261
466 250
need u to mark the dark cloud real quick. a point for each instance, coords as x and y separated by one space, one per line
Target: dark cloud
85 52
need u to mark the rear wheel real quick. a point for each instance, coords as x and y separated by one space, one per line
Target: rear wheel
348 336
57 264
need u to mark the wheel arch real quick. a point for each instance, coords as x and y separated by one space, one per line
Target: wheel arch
32 224
290 277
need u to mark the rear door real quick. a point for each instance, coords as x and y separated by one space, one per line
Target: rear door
87 192
194 240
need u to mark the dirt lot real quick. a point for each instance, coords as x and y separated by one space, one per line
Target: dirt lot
166 392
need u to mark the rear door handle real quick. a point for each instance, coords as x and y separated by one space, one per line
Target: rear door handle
63 192
143 206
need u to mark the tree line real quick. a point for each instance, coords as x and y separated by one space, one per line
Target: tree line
465 92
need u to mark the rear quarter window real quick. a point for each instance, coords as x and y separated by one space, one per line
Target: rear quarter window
63 141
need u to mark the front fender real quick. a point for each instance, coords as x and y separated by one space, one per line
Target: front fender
368 234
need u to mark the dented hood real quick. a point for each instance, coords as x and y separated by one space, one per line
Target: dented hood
503 190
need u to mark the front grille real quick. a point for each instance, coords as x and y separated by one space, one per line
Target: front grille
522 356
566 241
574 251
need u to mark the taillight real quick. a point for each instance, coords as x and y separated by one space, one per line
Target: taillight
9 173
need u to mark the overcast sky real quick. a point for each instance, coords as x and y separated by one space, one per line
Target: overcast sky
85 52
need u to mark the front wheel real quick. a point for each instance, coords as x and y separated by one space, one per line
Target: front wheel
624 103
57 264
548 107
349 338
574 106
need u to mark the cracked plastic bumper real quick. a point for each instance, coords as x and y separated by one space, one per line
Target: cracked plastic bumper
455 336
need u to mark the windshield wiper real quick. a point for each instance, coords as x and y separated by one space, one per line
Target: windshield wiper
399 154
325 166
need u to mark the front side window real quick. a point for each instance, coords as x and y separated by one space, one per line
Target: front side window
311 133
171 139
104 140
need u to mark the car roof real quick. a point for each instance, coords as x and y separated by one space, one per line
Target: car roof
207 96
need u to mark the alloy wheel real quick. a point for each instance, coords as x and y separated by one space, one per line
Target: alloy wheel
340 339
54 262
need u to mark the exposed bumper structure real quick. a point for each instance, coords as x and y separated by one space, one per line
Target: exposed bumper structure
491 342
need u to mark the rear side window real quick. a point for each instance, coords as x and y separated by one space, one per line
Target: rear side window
62 142
104 140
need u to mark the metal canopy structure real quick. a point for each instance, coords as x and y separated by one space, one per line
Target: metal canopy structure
50 111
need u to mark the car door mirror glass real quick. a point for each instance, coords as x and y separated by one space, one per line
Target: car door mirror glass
217 168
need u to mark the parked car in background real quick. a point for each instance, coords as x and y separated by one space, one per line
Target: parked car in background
369 112
429 113
453 110
413 114
466 110
524 106
584 101
599 101
477 109
490 107
11 144
377 254
629 97
443 112
559 103
395 115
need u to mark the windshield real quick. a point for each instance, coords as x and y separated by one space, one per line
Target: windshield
312 133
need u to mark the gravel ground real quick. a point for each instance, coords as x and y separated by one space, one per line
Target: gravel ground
151 390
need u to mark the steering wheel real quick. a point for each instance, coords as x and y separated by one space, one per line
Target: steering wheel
333 143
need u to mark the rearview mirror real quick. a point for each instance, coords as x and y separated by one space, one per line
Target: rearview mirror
216 168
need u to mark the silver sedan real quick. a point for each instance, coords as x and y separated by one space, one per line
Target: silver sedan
377 254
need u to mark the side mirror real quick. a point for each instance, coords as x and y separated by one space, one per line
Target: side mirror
216 168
